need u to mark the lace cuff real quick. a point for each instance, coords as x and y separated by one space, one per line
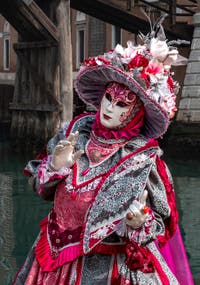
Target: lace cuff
144 233
46 173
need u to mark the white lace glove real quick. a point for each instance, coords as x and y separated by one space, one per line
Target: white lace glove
64 155
138 212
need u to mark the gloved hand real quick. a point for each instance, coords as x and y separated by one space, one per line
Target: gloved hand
63 154
138 212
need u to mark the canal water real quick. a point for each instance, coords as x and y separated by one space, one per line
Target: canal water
21 209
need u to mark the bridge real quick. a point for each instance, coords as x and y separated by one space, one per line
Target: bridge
43 96
30 18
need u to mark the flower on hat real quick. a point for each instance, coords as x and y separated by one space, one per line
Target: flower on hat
145 69
130 51
154 68
138 61
158 49
171 58
149 64
93 61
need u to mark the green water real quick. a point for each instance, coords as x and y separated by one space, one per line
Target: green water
21 209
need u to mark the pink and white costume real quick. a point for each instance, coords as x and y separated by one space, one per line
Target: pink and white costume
84 240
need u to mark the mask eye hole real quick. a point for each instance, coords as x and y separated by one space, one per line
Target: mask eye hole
108 97
121 104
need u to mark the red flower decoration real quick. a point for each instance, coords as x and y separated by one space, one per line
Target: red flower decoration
90 61
170 83
154 68
105 61
138 61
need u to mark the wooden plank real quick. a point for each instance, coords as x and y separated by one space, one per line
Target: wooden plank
46 87
34 45
31 107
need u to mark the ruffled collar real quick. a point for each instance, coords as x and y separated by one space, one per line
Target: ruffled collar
132 129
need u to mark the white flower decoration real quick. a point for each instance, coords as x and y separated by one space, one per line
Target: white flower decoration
159 49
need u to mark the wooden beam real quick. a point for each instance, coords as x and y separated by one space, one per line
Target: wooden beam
65 59
33 24
44 20
106 11
198 6
33 45
29 20
109 13
172 9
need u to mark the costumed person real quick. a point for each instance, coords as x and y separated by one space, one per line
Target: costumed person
114 219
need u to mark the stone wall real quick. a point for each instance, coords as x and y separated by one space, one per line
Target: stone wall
189 107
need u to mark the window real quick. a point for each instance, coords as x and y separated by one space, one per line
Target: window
116 36
80 37
80 47
6 53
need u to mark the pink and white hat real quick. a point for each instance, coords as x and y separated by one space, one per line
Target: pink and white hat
145 70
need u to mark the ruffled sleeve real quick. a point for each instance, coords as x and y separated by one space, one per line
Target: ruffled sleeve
42 180
47 176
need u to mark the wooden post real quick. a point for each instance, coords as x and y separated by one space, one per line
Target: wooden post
198 6
65 59
172 9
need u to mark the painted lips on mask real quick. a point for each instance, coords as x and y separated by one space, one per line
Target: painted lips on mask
106 117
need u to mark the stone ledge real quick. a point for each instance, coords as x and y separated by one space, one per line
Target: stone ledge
192 79
193 67
192 104
194 56
191 91
196 33
188 116
195 43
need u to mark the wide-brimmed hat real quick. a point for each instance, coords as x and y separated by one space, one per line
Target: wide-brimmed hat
145 70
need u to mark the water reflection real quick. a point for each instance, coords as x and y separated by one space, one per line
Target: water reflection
7 260
21 210
187 189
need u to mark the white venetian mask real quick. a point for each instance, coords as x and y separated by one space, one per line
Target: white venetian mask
116 106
